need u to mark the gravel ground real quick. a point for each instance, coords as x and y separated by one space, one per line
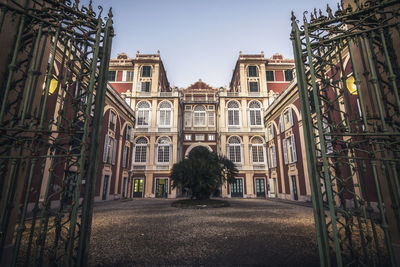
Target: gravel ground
149 232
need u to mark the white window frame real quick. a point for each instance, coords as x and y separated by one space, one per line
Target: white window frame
211 137
142 112
198 115
211 118
256 148
272 156
163 147
236 146
232 112
199 137
167 111
253 110
129 76
142 146
188 117
291 146
188 137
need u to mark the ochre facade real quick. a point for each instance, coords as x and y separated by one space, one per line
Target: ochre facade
230 121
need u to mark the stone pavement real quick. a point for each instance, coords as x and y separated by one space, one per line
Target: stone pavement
149 232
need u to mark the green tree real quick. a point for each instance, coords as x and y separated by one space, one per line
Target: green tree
202 173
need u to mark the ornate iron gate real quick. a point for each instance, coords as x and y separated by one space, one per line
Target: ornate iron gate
348 77
53 63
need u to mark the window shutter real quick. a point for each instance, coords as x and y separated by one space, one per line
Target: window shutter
285 156
124 157
131 135
105 148
290 116
273 156
282 123
294 159
114 148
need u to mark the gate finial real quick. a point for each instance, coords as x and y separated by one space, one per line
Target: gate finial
293 18
329 11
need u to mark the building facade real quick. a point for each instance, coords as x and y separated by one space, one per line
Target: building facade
229 121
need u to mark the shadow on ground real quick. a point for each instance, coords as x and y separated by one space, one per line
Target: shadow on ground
149 232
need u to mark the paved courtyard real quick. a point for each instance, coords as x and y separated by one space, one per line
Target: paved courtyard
149 232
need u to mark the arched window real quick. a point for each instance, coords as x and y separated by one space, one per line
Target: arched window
143 114
165 114
233 113
255 113
257 150
163 147
141 150
234 149
199 116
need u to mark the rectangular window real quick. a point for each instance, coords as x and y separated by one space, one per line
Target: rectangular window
211 137
128 130
233 117
165 117
143 118
146 71
288 75
188 137
125 157
163 153
292 149
140 153
107 149
199 137
146 87
188 119
252 71
188 107
234 153
111 75
253 86
257 153
273 157
112 121
255 117
211 119
129 76
199 118
270 75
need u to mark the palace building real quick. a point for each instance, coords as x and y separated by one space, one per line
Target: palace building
230 121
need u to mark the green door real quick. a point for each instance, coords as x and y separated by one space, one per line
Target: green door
162 188
237 188
124 187
294 185
138 188
260 188
105 187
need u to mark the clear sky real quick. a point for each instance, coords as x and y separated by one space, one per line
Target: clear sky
201 39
